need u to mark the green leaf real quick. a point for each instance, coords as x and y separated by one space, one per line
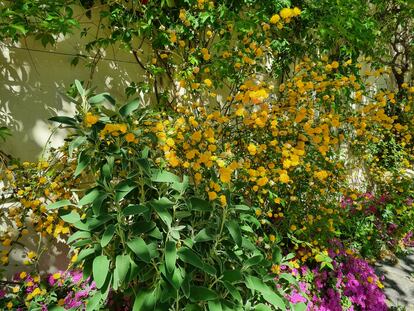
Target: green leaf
288 277
80 88
19 28
145 300
164 176
59 204
268 294
277 255
161 207
122 264
128 108
94 303
253 261
204 235
232 276
140 248
200 205
90 197
71 218
214 305
190 257
301 306
135 209
123 188
64 120
83 162
75 144
100 269
85 253
235 232
262 307
78 235
170 256
107 235
234 292
200 293
98 98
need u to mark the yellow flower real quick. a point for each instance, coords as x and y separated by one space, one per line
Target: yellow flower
56 276
16 289
296 11
272 238
130 137
293 227
286 13
252 149
212 195
22 275
223 200
91 119
9 305
275 19
284 178
225 174
262 181
208 82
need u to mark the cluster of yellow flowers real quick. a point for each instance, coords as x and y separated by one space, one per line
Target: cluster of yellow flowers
31 187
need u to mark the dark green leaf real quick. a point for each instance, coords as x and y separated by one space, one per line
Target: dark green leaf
123 188
64 120
200 293
107 235
200 205
170 256
235 231
128 108
90 197
83 162
140 248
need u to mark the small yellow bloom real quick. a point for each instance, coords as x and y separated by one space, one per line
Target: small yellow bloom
56 276
275 19
208 82
91 119
130 137
212 195
22 275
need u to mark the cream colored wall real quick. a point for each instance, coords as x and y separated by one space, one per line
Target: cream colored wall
32 83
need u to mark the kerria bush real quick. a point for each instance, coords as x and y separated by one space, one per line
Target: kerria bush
152 235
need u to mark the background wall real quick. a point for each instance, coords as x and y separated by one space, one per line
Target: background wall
33 82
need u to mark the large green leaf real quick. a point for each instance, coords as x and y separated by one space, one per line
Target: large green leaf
128 108
59 204
71 217
107 235
83 162
122 264
100 269
140 248
235 231
268 293
90 197
200 293
190 257
170 256
64 120
123 188
200 205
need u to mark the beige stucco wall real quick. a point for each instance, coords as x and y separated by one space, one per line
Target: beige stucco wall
33 81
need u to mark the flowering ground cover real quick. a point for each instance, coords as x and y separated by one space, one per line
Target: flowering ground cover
231 187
